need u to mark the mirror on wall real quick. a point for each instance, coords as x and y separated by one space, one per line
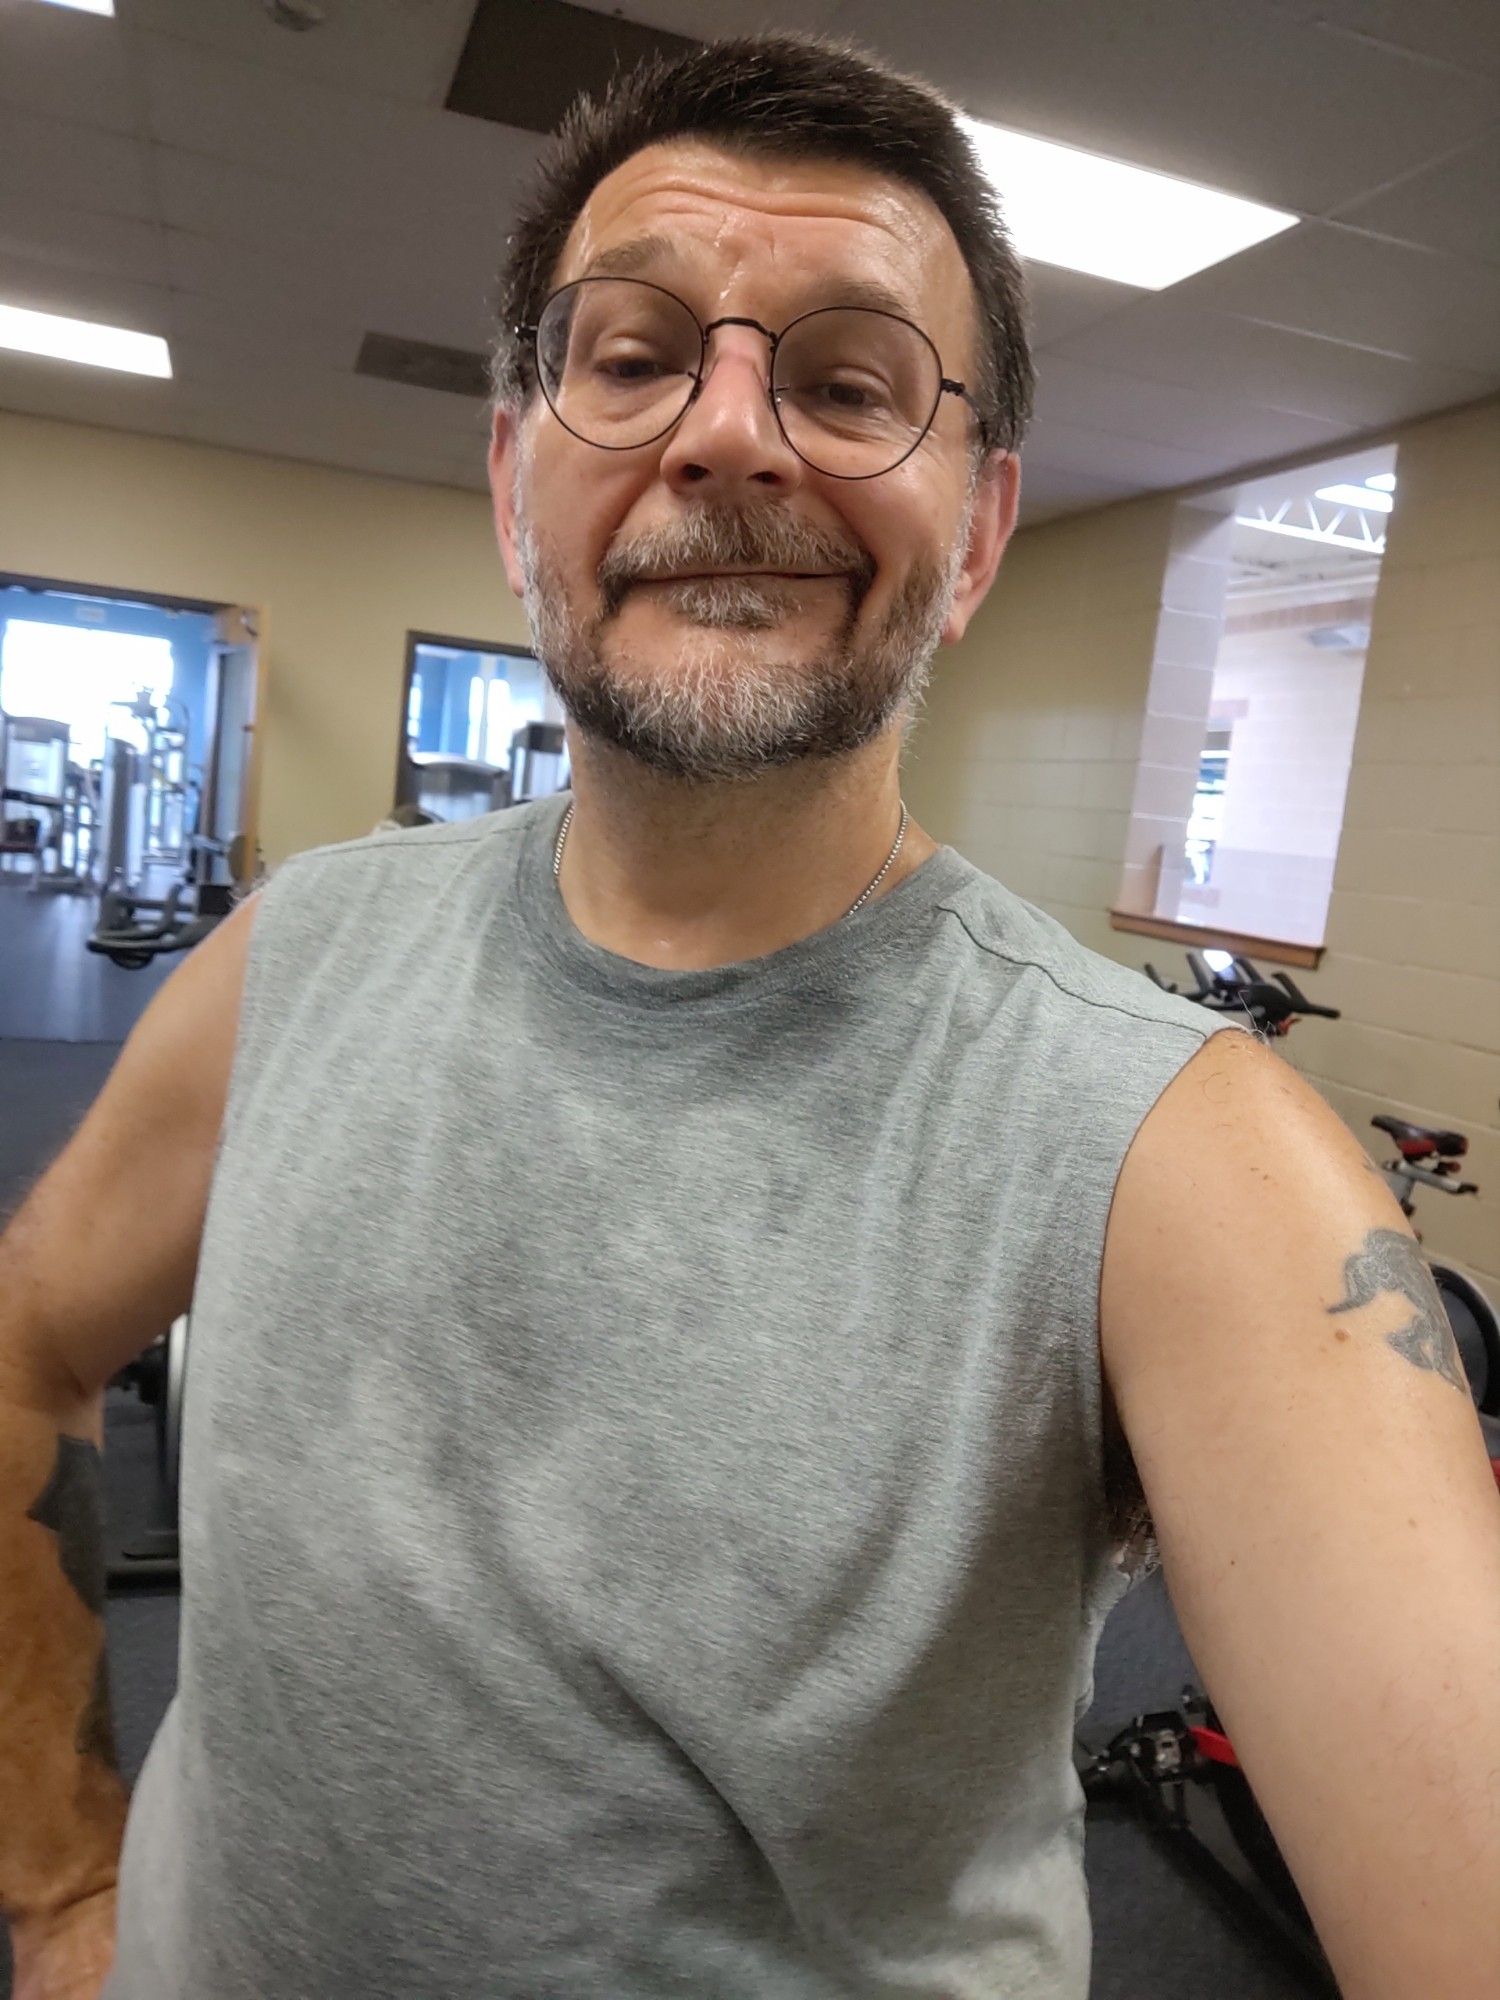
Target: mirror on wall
476 732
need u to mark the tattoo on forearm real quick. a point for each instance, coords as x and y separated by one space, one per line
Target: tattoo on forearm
71 1504
1392 1262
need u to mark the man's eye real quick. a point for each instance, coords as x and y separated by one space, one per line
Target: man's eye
630 368
845 395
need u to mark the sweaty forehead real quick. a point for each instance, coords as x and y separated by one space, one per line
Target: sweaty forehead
796 232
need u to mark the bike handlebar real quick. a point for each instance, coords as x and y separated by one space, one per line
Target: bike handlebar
1243 989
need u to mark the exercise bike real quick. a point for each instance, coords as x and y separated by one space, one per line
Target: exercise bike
1168 1766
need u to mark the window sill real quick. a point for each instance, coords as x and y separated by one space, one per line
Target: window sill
1212 937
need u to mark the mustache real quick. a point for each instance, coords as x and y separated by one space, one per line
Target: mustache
715 537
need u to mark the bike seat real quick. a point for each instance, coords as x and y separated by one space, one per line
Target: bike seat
1417 1141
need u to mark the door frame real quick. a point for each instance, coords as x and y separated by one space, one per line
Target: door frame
404 791
253 619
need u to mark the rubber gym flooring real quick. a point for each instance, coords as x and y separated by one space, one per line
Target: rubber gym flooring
1159 1931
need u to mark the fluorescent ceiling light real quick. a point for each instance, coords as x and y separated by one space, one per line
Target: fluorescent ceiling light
1089 214
1371 501
1384 482
86 6
83 340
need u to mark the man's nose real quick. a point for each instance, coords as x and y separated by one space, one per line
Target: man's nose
728 437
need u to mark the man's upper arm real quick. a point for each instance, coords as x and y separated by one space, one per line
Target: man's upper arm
1328 1520
102 1255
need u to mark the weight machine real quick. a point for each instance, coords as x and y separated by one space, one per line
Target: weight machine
149 815
47 802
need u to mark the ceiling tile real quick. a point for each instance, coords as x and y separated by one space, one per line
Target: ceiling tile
58 63
314 192
247 329
1453 205
87 395
1102 456
100 295
1330 280
728 17
1167 341
439 296
80 166
355 157
321 402
285 215
399 48
1244 98
44 231
1126 405
470 469
1464 33
1065 302
1047 490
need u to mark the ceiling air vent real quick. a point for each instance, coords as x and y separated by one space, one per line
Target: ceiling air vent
422 366
526 60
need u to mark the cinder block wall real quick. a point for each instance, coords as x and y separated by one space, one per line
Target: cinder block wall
1026 761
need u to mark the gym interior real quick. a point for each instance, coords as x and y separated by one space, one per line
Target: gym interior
1231 711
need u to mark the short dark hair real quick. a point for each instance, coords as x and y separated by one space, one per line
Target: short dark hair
784 95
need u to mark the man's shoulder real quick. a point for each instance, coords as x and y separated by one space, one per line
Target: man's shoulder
379 883
1097 995
412 842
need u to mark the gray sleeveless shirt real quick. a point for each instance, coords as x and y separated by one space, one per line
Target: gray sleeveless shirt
645 1526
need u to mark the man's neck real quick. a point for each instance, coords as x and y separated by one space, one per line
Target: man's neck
688 879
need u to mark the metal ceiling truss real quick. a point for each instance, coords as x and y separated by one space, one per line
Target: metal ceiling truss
1321 521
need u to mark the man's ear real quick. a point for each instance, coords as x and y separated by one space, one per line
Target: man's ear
504 455
996 499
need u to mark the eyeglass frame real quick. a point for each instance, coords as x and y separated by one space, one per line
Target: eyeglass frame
532 332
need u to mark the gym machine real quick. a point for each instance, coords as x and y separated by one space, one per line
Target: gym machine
56 800
1175 1768
456 788
149 810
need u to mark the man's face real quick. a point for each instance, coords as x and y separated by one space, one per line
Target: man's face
718 678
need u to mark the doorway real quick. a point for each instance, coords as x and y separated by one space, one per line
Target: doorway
129 775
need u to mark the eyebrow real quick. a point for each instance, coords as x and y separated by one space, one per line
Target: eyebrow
636 256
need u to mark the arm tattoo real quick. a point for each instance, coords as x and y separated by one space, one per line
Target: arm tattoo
71 1504
1391 1262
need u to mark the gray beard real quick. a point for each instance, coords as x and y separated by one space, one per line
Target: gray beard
718 716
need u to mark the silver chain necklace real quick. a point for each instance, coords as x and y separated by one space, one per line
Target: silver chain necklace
562 835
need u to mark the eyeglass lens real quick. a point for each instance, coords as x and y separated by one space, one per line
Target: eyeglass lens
855 389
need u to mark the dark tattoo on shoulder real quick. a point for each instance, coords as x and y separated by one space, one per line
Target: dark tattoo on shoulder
1392 1262
71 1504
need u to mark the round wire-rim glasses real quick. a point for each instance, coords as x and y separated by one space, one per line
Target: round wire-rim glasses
531 333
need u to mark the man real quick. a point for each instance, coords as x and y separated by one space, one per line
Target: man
672 1248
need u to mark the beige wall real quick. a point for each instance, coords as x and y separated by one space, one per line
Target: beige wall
343 566
1026 762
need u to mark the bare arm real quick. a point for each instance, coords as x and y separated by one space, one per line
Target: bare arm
1330 1533
98 1261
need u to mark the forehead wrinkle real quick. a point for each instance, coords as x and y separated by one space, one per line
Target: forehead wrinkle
640 257
691 194
687 189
